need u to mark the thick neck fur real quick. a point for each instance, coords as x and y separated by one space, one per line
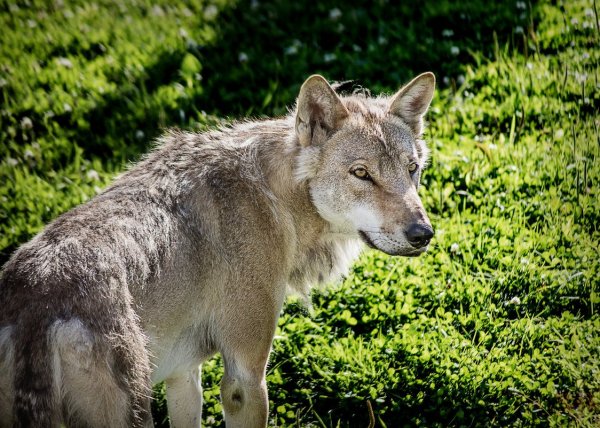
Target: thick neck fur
266 158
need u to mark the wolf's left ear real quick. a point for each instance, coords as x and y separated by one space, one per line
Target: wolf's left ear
412 101
319 110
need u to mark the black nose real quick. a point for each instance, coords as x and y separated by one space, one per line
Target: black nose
419 234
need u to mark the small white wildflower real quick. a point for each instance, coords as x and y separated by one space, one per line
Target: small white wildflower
329 57
31 23
26 123
574 21
356 48
183 33
447 33
67 108
518 29
210 12
524 261
559 134
521 5
291 50
157 10
335 14
529 66
586 100
460 79
3 82
12 161
585 55
492 146
514 301
68 14
446 80
589 12
65 62
454 248
254 4
243 57
382 40
454 50
28 154
139 134
92 174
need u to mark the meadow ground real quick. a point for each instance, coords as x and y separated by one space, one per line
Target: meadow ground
497 324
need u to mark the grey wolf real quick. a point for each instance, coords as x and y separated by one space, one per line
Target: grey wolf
192 251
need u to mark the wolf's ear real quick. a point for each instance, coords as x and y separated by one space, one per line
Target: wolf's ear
319 110
412 101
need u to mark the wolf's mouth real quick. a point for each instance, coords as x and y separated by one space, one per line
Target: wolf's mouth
411 253
367 240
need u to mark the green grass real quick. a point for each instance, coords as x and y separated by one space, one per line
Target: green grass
498 324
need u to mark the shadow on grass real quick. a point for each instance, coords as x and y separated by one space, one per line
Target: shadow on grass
265 49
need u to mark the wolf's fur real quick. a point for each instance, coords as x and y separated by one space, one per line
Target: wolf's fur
191 252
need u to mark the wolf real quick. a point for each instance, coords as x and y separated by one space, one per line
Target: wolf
192 251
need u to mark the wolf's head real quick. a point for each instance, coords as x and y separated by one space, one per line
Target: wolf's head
362 158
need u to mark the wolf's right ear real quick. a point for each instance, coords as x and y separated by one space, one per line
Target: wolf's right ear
412 101
319 110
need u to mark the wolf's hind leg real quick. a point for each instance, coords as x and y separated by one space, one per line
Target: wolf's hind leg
101 384
184 399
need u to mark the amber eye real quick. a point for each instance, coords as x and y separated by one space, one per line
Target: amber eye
412 168
361 172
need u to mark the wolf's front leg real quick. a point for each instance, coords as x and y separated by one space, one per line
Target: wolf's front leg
246 337
184 399
244 392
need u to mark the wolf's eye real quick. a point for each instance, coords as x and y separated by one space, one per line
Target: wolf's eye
412 168
360 172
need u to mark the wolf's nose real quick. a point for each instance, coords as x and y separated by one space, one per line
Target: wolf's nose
419 234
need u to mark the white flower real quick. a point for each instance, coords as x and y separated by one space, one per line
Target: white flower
139 134
335 13
447 33
454 50
518 29
243 57
514 301
329 57
521 5
67 108
291 50
157 10
454 248
92 174
26 123
65 62
210 12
